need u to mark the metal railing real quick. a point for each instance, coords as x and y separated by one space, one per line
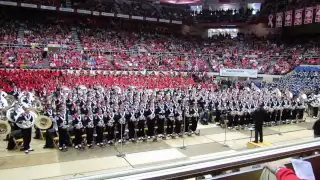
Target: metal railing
194 168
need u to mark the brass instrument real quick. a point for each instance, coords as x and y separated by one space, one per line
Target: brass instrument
5 128
82 87
28 124
43 122
271 109
37 104
233 113
11 100
10 114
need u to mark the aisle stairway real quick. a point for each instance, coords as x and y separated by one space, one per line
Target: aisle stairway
21 33
76 38
208 65
110 60
200 52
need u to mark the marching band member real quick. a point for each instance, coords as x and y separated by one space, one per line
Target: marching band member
62 121
160 112
100 121
194 119
205 116
169 109
51 131
141 123
110 126
300 111
241 118
230 117
170 119
28 100
120 118
315 107
150 114
131 119
26 119
187 119
3 101
89 124
178 120
78 127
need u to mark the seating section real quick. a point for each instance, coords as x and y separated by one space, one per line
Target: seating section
20 57
39 80
8 31
83 42
303 79
48 33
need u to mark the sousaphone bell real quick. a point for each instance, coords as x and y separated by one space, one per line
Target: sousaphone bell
5 128
11 100
43 122
28 124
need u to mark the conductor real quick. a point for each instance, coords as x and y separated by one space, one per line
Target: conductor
259 117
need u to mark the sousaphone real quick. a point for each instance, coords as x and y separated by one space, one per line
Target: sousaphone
43 122
37 104
5 128
11 100
10 114
28 124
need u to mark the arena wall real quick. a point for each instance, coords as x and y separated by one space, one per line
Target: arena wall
259 30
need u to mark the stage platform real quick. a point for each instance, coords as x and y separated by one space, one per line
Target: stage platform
50 164
252 145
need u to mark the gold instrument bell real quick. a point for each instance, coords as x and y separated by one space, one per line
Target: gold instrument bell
5 128
43 122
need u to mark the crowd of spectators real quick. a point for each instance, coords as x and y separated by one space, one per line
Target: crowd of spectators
20 57
219 16
43 34
300 81
148 9
39 80
177 12
130 45
152 48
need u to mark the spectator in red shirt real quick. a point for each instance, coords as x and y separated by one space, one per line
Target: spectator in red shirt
282 172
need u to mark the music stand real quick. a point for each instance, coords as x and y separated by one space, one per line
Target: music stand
280 122
121 155
225 133
183 147
251 129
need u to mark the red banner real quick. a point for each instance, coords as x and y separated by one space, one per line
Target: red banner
288 18
279 17
298 17
317 19
308 15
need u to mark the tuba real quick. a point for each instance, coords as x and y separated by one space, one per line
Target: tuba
11 100
43 122
10 114
37 104
5 128
28 124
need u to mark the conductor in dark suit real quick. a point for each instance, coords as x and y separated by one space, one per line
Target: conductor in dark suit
259 117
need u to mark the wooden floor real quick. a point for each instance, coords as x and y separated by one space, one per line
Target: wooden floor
52 164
